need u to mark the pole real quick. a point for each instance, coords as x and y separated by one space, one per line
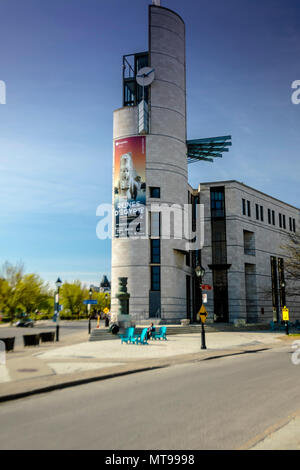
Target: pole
57 317
287 328
203 342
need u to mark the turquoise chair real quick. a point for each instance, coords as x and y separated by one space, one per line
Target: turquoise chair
162 334
127 338
142 338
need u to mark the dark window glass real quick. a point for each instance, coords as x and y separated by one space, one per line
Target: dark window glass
155 193
291 225
257 211
269 216
248 209
273 217
261 213
155 251
217 203
130 92
294 225
274 279
283 221
244 206
280 220
155 278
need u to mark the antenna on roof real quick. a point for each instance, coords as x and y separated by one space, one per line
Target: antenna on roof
156 2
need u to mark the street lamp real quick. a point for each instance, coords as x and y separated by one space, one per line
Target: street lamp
89 309
58 285
200 272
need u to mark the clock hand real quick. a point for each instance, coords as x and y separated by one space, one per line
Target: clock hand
146 74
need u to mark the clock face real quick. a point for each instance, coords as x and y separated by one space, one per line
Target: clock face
145 76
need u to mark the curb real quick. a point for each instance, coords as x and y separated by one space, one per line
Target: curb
83 381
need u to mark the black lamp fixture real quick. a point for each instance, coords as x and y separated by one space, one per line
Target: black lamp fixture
58 283
200 271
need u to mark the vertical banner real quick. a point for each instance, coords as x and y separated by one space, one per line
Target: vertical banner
130 187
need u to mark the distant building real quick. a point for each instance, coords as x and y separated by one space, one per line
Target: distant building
105 285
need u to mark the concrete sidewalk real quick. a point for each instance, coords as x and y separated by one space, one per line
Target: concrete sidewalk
75 361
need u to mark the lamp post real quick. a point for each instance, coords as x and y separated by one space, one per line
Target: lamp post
89 309
200 272
58 285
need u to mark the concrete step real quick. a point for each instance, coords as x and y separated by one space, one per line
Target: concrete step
103 334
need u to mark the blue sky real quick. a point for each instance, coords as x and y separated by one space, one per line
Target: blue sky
61 62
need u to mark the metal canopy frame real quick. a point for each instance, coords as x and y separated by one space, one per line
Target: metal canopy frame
208 149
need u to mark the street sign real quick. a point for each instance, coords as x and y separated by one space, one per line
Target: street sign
90 302
206 287
204 298
202 314
285 314
203 310
106 310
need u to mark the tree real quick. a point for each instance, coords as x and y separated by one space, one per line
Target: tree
292 264
19 292
72 296
34 294
11 277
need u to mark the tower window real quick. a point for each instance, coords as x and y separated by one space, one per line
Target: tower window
155 193
155 278
155 251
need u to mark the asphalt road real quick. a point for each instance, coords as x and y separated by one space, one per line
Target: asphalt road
66 328
215 404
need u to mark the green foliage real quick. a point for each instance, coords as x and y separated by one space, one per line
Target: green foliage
28 293
72 296
21 292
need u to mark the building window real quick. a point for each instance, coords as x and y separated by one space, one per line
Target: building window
273 217
155 278
257 211
217 202
269 216
155 251
274 279
248 209
244 206
261 213
294 226
281 282
249 243
290 223
155 193
280 220
283 221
